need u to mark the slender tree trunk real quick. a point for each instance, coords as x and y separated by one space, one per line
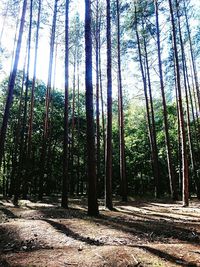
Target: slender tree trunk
153 128
78 128
65 182
145 91
92 178
173 188
30 128
24 121
47 103
72 178
11 83
102 107
190 141
97 93
123 179
181 114
108 182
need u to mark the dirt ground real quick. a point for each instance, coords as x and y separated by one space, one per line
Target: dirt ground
139 233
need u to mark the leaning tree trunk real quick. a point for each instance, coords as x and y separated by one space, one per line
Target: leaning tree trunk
11 83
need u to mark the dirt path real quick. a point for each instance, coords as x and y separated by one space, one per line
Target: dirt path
136 234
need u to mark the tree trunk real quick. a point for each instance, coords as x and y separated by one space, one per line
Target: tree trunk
181 114
173 188
11 83
47 102
123 179
92 178
97 94
65 181
30 128
108 182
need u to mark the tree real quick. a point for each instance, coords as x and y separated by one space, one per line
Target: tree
66 124
108 182
185 193
121 113
173 188
91 160
11 83
48 99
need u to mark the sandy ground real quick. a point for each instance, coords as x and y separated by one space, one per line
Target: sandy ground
139 233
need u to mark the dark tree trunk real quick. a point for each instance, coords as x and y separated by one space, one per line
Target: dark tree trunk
92 178
108 182
11 83
30 129
190 141
47 103
172 180
65 182
181 114
144 80
97 94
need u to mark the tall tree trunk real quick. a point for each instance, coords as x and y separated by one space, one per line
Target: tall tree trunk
47 102
145 91
181 114
97 92
108 182
173 187
153 127
65 181
190 141
72 178
30 128
24 121
123 179
92 178
78 128
102 105
11 83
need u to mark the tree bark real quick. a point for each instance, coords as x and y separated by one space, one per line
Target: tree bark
108 182
65 181
92 177
11 83
172 181
181 114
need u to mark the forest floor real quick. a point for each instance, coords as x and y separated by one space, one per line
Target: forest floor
139 233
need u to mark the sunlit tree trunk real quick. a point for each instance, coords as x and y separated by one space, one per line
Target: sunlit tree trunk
123 179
